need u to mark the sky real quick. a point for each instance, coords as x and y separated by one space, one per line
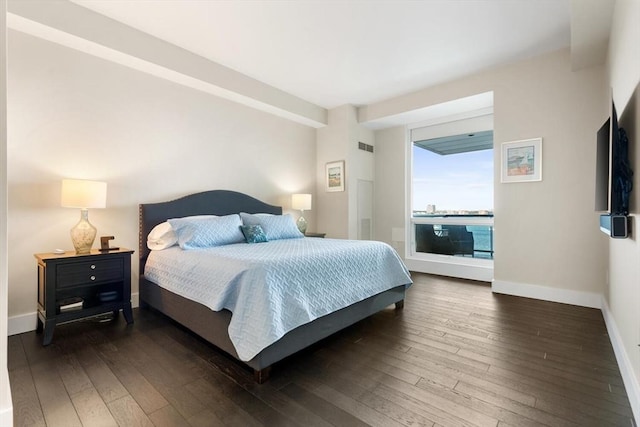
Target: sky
454 182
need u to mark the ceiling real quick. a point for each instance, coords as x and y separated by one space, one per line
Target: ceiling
358 52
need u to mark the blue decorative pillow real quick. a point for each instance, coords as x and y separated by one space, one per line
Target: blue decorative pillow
275 227
206 232
253 233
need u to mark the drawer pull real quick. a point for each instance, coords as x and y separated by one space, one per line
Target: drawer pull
93 277
93 266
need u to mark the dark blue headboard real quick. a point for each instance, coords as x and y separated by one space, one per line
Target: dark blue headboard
214 202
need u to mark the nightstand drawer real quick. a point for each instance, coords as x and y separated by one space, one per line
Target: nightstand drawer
80 273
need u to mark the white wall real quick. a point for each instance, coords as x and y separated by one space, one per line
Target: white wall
74 115
623 296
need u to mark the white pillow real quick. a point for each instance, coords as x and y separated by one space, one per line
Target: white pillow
161 237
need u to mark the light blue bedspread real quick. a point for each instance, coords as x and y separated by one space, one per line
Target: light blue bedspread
271 288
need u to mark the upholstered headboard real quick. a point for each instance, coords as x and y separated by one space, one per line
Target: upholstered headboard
214 202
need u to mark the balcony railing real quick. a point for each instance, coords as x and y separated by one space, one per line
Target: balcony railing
463 236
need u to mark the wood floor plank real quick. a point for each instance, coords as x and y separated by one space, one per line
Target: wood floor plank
168 385
527 413
281 402
390 366
418 367
127 412
36 352
56 404
16 357
207 418
103 379
91 409
26 404
221 406
149 399
167 416
257 408
347 357
323 402
345 380
73 375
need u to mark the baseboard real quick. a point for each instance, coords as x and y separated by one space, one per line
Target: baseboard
482 273
27 322
626 370
565 296
22 323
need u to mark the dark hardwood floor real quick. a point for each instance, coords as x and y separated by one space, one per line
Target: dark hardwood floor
457 355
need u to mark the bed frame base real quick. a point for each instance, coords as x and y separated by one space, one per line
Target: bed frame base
213 326
261 376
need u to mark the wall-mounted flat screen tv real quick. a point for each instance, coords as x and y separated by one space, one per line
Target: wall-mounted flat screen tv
603 166
613 172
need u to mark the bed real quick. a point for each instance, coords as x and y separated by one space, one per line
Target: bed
217 326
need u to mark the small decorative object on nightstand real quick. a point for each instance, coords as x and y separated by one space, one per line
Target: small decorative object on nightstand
74 286
320 235
104 244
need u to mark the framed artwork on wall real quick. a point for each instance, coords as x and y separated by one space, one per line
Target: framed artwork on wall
335 176
522 160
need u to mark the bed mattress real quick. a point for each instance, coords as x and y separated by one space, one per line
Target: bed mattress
272 288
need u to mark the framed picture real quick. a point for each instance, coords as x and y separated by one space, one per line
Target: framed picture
335 176
522 160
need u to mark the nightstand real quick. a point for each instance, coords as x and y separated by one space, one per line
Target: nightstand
320 235
73 286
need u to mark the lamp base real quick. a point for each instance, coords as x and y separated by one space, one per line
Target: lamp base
302 224
83 234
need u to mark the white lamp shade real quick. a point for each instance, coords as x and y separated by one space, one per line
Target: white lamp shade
83 194
301 202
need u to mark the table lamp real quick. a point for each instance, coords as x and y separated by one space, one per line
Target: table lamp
301 202
83 194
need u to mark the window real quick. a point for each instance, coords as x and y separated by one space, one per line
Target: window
453 179
459 183
451 187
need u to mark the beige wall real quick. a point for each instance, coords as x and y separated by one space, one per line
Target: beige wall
546 233
338 141
624 280
91 32
361 166
6 410
332 145
74 115
390 185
